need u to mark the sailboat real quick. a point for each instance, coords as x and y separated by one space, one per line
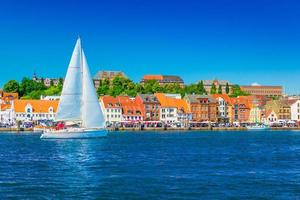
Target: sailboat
79 108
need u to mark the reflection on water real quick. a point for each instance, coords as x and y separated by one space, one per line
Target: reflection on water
196 165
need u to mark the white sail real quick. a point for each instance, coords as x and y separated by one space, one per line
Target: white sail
92 116
70 100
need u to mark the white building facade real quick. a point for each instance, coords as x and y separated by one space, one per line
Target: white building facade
295 110
168 115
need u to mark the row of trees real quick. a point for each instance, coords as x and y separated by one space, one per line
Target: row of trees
124 86
30 89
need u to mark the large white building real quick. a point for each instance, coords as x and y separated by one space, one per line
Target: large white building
34 110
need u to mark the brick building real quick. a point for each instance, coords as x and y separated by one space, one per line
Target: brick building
202 107
163 79
269 91
107 75
150 106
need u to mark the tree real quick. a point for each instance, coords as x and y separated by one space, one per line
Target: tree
227 89
103 88
11 86
51 82
236 91
200 88
213 89
220 89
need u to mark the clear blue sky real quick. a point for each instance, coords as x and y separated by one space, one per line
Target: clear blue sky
242 41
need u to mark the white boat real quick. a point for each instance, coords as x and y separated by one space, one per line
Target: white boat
78 103
257 127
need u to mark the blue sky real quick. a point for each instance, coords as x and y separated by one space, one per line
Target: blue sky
241 41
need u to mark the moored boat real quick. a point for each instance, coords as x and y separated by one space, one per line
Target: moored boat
258 127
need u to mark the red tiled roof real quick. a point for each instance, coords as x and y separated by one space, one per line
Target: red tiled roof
110 101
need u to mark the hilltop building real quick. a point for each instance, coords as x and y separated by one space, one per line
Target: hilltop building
208 84
268 91
163 79
107 75
46 81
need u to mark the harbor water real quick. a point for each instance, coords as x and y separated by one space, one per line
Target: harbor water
152 165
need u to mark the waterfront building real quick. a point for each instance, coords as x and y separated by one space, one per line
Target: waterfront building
112 109
295 108
150 106
268 91
131 109
269 117
34 110
163 79
6 114
7 97
107 75
281 108
208 84
223 108
240 109
173 110
256 114
202 107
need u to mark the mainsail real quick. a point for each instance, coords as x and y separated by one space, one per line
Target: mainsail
70 100
79 100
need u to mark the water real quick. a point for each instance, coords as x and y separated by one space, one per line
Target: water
190 165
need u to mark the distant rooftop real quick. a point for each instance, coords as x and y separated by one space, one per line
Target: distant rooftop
108 74
163 78
219 82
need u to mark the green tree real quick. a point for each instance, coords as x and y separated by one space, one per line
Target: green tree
236 91
11 86
51 82
227 89
27 86
103 88
213 89
220 89
152 86
200 88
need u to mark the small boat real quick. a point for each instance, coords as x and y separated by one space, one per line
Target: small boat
78 103
257 127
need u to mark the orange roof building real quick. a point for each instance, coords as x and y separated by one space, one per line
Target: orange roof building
172 109
33 110
111 108
132 109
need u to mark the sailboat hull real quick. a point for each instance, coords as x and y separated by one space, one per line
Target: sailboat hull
74 134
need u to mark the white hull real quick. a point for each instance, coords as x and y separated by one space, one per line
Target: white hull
256 128
75 134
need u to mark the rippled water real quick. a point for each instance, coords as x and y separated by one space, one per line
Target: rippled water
190 165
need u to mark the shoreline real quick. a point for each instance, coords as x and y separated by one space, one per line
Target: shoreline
137 129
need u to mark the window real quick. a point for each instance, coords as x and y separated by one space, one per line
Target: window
28 110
